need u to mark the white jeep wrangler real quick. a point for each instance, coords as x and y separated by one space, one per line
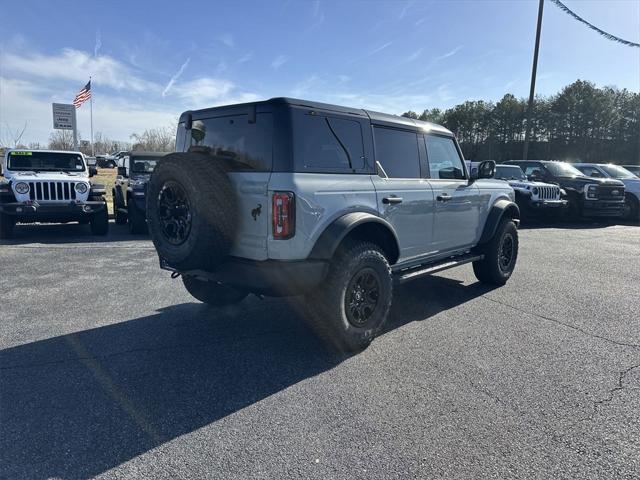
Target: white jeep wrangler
50 186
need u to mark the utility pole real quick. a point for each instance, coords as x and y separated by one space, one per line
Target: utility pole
532 91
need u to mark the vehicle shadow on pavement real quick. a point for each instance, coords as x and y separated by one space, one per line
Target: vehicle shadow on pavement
77 405
58 233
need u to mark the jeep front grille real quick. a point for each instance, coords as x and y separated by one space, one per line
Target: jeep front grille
52 191
548 193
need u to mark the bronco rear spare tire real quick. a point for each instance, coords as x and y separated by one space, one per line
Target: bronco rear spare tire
191 211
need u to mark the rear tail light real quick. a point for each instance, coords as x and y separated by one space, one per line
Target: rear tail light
284 215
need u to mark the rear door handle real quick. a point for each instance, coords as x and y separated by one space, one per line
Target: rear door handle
445 197
391 200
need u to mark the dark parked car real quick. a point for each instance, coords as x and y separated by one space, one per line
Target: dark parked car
587 196
129 190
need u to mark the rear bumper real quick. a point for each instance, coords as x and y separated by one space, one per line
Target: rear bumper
603 208
60 212
269 277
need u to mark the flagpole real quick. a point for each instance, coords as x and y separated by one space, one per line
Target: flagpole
93 152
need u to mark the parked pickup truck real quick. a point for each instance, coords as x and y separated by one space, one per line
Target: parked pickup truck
631 184
50 186
292 197
587 196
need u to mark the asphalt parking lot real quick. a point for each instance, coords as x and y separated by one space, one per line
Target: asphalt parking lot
110 369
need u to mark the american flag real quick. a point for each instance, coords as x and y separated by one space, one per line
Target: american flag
83 95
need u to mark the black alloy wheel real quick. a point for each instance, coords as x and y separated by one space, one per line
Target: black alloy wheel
361 299
174 212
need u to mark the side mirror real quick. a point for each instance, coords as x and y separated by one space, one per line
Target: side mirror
486 169
122 171
93 171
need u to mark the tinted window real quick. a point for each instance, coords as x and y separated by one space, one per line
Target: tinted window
590 171
248 146
397 152
45 161
143 164
533 169
328 143
443 157
506 172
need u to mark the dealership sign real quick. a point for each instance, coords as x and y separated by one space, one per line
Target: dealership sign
64 116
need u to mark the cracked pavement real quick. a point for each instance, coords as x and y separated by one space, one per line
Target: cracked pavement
108 369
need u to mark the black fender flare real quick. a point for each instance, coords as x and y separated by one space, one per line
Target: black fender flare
337 231
498 211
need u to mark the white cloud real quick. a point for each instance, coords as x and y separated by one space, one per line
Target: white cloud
98 44
413 56
227 39
246 57
23 101
450 53
77 65
379 49
175 77
207 92
279 61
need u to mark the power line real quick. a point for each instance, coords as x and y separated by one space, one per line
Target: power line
606 35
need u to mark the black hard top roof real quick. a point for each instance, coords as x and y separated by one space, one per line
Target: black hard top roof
147 154
375 117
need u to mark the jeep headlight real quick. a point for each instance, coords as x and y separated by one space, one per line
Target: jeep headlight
534 190
22 188
81 188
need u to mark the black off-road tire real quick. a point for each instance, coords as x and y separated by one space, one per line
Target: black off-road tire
213 293
7 224
494 269
328 310
136 219
100 222
119 216
207 195
632 209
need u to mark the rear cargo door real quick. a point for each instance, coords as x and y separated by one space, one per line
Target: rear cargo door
246 146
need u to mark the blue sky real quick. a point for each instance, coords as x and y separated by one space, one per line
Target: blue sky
152 60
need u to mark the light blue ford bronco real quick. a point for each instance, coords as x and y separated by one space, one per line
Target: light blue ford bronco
291 197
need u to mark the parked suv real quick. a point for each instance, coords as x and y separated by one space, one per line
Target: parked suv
130 187
587 196
50 186
533 198
289 197
631 184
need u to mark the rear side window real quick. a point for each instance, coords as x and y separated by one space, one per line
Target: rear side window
248 146
397 152
443 157
328 143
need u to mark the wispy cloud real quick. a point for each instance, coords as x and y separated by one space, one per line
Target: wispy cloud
404 10
98 44
414 56
379 49
206 91
279 61
175 77
227 39
76 65
317 13
246 57
450 53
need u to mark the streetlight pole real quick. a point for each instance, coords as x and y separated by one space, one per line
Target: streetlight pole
532 91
